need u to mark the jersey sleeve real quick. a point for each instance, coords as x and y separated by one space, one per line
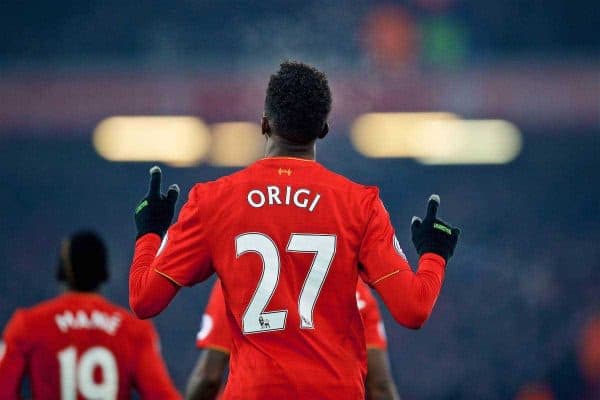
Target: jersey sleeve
184 255
214 332
150 373
13 356
380 253
369 311
409 296
159 269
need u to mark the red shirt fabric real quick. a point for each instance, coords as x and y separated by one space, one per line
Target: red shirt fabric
79 345
288 239
214 328
375 337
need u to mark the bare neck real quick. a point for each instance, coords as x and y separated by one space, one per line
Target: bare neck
280 147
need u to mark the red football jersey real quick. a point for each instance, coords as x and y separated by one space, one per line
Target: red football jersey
79 346
288 239
375 337
214 328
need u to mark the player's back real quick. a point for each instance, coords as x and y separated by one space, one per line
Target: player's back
79 345
285 236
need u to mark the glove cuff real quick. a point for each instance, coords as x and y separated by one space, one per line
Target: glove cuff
144 232
440 250
434 257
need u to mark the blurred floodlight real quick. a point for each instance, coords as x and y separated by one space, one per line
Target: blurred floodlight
471 142
436 138
392 135
236 144
176 140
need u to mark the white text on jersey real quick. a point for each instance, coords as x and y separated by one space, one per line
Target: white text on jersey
82 320
301 198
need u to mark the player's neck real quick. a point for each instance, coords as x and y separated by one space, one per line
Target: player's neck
280 147
66 289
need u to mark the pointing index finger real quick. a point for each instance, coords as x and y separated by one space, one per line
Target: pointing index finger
155 178
432 206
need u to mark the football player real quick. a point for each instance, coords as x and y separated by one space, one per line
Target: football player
288 239
79 345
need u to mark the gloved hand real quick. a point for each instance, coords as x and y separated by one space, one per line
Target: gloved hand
432 235
155 212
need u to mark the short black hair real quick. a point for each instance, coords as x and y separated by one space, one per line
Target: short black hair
83 261
298 101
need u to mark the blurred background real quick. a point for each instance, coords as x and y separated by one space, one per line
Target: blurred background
495 105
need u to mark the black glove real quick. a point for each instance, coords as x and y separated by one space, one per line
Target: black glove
155 212
433 235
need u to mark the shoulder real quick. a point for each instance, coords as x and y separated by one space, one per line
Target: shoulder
138 327
26 322
129 321
126 315
363 199
39 310
234 178
16 323
138 331
344 183
16 334
220 184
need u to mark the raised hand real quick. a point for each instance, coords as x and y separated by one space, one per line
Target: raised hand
155 212
432 235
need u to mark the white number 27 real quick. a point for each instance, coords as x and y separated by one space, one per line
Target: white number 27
323 246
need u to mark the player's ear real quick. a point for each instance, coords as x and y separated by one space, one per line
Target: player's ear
324 131
265 126
63 261
60 271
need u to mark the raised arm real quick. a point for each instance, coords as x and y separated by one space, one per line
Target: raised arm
409 296
149 291
164 261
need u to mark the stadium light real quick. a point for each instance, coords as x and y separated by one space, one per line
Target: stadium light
236 144
391 135
176 140
470 142
436 138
